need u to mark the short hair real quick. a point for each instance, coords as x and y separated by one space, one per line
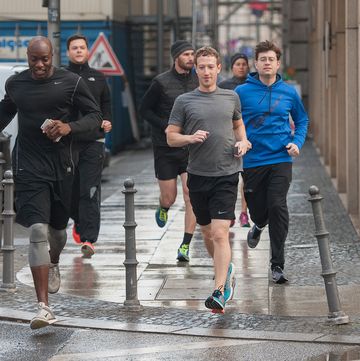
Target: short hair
265 46
207 51
76 37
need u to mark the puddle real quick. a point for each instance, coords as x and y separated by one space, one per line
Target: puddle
350 355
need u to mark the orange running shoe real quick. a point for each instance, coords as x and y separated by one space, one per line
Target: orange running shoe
76 235
88 249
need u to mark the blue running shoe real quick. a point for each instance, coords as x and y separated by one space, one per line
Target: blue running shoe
183 253
161 217
229 283
216 301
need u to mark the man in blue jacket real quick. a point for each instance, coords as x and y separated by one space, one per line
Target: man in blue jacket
267 101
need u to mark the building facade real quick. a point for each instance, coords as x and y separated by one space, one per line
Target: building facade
334 93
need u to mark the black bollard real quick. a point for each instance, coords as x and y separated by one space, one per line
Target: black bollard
130 262
335 315
8 248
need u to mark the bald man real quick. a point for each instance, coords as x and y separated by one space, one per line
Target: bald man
44 98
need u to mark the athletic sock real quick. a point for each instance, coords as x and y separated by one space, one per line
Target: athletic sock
187 238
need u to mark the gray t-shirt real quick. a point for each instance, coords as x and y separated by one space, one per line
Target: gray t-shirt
213 112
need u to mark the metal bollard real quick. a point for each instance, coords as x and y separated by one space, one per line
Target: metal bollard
130 262
8 247
2 163
335 316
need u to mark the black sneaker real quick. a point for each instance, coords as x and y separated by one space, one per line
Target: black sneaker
278 275
253 236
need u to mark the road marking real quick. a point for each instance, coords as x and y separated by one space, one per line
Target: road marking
149 350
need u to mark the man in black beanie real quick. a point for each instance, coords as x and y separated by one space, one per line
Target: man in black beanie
169 163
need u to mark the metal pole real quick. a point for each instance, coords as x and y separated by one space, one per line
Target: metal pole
160 35
257 30
130 262
54 29
194 23
2 162
335 315
214 23
8 248
17 38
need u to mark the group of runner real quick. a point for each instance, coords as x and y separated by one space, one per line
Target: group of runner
202 131
207 133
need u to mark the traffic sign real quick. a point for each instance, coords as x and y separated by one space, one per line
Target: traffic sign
102 57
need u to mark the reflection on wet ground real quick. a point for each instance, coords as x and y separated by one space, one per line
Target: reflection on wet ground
162 281
352 355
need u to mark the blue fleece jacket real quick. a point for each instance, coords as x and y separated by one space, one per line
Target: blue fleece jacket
265 111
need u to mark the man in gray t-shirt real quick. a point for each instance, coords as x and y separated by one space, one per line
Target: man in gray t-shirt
213 112
209 121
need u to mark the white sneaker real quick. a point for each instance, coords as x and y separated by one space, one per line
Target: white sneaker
54 278
44 317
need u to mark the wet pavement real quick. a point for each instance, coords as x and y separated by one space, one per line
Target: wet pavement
172 294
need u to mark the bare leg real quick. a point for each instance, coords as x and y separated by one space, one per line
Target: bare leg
168 192
57 241
216 238
40 276
209 244
190 220
39 260
222 250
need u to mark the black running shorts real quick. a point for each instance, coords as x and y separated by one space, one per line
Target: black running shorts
41 201
169 162
213 197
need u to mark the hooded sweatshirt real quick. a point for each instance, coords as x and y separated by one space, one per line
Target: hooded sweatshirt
265 110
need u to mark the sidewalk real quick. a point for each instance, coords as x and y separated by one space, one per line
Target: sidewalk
172 294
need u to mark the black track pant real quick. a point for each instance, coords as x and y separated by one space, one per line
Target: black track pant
265 190
86 192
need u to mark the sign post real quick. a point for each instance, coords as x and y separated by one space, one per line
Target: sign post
103 58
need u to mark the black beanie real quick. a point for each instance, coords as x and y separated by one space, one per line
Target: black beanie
237 56
179 47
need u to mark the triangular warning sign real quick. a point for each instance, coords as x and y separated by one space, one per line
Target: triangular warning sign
103 58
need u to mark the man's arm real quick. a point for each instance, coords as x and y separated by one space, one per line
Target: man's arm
301 122
91 116
242 143
151 97
8 111
105 106
175 138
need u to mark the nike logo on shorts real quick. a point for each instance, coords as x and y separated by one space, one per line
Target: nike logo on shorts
222 212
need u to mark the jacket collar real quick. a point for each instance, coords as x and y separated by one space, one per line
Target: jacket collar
77 68
181 75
